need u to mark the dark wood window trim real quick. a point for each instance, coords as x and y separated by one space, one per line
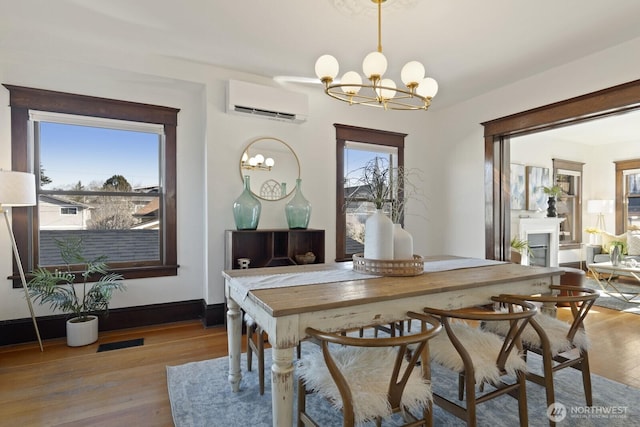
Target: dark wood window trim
606 102
622 166
346 133
22 99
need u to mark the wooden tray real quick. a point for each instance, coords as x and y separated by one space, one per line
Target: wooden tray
392 267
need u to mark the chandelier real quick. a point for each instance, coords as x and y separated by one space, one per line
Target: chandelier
257 162
378 92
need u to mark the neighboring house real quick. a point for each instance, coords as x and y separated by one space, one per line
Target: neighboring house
57 213
148 215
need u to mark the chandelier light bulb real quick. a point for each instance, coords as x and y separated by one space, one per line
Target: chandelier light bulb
245 157
269 162
351 77
387 91
428 88
327 67
253 161
374 64
412 73
259 158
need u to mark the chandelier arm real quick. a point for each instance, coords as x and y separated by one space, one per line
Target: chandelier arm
406 100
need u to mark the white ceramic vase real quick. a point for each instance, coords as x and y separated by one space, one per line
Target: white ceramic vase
378 236
82 333
402 243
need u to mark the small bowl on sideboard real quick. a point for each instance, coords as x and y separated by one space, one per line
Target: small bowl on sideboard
308 258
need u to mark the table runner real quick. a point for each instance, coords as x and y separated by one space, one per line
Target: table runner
247 284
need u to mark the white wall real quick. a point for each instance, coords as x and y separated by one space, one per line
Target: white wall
446 145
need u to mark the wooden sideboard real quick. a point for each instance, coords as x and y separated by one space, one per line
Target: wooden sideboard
272 247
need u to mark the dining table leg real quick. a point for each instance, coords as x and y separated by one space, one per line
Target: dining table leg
282 386
234 337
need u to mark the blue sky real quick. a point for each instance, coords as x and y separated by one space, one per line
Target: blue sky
354 160
71 153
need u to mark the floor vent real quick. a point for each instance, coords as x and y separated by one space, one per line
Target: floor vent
121 344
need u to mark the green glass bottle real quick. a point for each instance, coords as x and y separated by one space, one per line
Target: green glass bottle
246 208
298 210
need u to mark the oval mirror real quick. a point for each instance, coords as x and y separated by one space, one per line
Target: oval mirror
272 166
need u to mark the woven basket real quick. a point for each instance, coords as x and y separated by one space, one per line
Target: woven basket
393 267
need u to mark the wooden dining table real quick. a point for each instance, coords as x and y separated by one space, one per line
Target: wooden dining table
285 301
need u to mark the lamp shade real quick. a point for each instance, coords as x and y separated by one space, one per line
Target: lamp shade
351 77
374 64
412 73
428 87
17 188
327 67
597 206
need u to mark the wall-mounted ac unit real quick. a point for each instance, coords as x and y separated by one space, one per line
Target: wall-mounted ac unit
266 102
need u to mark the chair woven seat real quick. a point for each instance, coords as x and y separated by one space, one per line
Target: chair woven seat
367 371
480 357
369 379
484 346
561 344
556 330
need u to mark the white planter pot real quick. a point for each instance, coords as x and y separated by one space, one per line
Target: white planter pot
82 333
378 236
402 243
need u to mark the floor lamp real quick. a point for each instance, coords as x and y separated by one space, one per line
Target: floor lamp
19 189
600 207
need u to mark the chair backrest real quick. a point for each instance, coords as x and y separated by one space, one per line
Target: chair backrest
410 349
518 313
579 299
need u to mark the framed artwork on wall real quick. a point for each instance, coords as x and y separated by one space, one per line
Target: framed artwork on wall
537 179
518 200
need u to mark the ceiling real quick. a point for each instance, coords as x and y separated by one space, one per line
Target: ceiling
470 47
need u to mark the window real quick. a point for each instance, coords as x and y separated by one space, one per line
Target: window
107 175
567 175
355 148
627 195
68 211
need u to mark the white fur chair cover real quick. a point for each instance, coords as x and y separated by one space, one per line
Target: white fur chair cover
367 370
555 329
483 347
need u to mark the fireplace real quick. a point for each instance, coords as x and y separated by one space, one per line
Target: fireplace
543 236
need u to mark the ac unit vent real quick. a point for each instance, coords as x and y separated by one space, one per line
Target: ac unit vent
266 102
265 113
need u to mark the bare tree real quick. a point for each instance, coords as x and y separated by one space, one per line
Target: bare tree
113 212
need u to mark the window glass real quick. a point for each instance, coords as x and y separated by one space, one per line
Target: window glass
99 183
632 194
359 158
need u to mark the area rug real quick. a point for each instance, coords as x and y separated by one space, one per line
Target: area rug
615 300
201 396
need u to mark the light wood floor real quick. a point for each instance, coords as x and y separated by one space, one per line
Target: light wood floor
66 386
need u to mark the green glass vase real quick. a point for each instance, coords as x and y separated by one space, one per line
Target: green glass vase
246 208
298 209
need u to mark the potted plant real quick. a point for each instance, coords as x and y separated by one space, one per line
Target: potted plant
521 248
83 301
